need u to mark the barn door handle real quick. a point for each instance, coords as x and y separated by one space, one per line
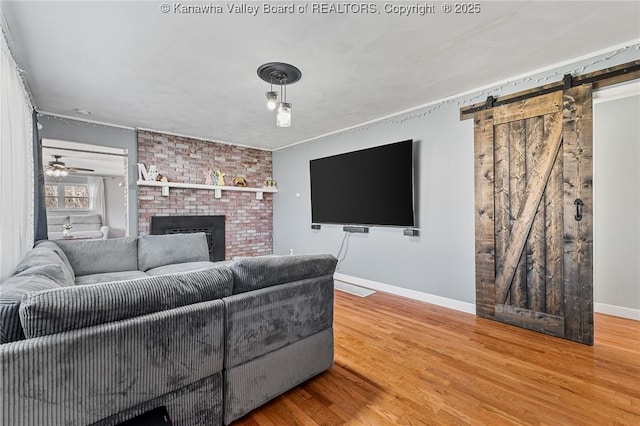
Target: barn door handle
578 203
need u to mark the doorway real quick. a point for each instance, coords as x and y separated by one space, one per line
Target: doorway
85 164
617 201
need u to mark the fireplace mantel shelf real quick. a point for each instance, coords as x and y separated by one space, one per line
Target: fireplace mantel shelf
217 190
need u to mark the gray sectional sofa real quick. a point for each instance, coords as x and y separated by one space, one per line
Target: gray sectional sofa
98 332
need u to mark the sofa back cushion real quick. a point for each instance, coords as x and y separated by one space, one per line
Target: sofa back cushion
54 223
97 256
251 273
70 308
160 250
85 222
41 269
57 250
45 262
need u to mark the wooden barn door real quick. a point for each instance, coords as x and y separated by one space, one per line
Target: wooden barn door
533 185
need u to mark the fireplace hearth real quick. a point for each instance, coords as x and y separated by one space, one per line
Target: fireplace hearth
212 226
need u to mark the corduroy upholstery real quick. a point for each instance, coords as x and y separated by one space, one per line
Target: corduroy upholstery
261 321
98 256
108 344
82 376
250 385
252 273
69 308
160 250
278 327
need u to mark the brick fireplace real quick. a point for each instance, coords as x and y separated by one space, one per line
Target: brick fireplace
248 221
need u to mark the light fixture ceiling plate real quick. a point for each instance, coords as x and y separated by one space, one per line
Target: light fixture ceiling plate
276 72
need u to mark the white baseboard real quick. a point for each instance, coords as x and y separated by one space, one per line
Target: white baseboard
458 305
618 311
469 308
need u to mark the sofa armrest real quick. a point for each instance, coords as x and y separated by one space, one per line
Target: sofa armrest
252 273
105 232
82 376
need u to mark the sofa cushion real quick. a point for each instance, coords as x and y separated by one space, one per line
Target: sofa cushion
56 221
57 250
160 250
11 292
41 269
251 273
45 262
107 277
186 267
98 256
85 222
70 308
81 377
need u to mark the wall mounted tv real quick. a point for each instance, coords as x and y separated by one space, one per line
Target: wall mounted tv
372 186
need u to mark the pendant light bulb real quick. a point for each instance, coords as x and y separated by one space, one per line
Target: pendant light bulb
272 98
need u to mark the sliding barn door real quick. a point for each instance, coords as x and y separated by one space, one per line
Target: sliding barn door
533 185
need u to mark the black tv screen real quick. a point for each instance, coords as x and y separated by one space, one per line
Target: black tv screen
372 186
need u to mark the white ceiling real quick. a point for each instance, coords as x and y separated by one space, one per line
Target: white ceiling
195 74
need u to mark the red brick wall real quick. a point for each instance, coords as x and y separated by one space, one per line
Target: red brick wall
248 222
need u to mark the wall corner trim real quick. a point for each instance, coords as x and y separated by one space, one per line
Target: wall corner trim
445 302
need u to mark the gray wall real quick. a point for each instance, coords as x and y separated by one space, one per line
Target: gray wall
439 262
115 207
617 202
97 134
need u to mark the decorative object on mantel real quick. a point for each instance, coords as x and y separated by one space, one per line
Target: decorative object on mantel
282 74
240 181
150 175
208 177
153 172
142 172
270 183
220 176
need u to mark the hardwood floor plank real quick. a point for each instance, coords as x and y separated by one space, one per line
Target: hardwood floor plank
403 362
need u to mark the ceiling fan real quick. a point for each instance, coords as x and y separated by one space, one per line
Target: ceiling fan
57 168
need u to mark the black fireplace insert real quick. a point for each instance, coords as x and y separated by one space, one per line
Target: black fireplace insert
212 226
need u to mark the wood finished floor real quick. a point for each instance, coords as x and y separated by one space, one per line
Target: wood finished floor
403 362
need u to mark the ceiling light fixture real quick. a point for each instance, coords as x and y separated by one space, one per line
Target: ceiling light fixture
57 168
56 172
282 74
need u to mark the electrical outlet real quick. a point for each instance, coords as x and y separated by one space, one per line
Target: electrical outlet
290 252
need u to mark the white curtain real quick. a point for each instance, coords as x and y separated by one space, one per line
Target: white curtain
96 196
16 164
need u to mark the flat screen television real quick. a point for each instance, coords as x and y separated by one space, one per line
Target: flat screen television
373 186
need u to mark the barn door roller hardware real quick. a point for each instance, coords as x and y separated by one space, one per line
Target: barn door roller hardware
567 82
603 78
